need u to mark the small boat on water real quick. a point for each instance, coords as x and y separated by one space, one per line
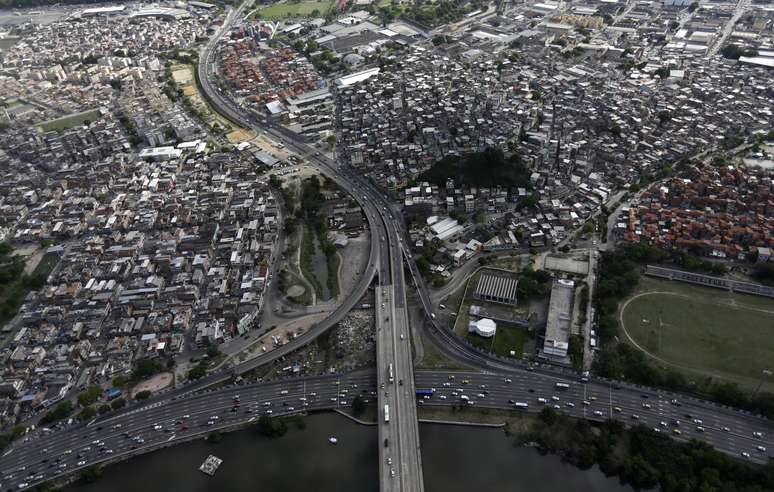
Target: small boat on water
332 440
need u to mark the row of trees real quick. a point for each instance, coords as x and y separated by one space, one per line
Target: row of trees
618 277
646 459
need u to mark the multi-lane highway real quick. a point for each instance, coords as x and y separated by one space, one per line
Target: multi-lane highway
157 425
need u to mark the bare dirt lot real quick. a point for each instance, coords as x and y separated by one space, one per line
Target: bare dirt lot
154 384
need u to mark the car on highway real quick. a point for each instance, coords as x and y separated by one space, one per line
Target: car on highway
762 449
745 454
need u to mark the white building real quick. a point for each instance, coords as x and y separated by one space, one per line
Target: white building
484 327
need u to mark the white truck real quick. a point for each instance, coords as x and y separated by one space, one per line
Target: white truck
386 413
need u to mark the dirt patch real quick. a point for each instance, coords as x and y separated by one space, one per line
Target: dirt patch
296 291
238 136
154 384
183 76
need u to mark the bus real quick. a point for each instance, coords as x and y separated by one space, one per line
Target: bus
562 386
521 405
389 373
423 392
386 413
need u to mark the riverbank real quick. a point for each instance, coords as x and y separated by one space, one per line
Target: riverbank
455 458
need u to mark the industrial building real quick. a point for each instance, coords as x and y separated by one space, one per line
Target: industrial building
557 336
495 288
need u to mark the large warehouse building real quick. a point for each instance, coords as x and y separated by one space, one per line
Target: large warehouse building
557 340
496 288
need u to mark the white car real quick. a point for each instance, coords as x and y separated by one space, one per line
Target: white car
745 454
762 449
599 413
81 463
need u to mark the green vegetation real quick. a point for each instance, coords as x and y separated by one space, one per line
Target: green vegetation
618 277
15 284
145 368
575 351
307 254
710 333
142 395
506 338
120 381
16 432
118 403
61 411
271 428
198 371
214 437
734 51
89 396
312 200
86 414
487 168
533 283
429 13
293 8
61 124
764 273
90 474
646 459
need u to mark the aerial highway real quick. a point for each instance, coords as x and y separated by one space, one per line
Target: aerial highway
156 425
394 245
400 466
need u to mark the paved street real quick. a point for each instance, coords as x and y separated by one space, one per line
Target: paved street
60 452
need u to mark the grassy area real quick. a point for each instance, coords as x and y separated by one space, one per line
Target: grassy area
307 254
506 338
15 285
702 331
281 10
70 121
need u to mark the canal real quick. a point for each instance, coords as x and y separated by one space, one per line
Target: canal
455 459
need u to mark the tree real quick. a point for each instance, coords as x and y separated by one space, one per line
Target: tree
213 351
62 410
89 396
87 413
91 474
105 408
197 372
331 141
145 368
120 381
118 403
142 395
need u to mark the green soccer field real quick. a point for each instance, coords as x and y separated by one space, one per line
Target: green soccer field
703 331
